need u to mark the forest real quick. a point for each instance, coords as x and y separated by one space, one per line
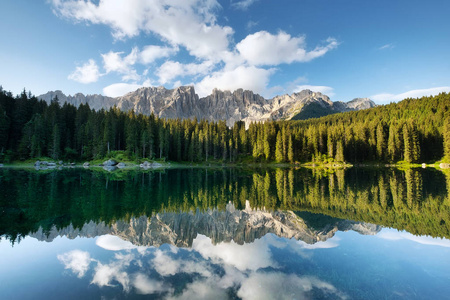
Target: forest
412 131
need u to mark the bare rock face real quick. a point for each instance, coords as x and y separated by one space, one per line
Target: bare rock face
95 101
240 226
184 103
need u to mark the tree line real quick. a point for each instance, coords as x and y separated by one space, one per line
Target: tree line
413 130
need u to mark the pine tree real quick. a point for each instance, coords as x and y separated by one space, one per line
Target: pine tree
339 152
446 138
56 142
290 153
381 143
279 148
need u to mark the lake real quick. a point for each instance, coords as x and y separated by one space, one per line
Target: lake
231 233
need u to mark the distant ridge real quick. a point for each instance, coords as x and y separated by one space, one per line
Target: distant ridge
240 105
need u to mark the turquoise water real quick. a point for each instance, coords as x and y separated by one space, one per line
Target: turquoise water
224 234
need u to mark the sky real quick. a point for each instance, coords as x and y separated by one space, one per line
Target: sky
386 50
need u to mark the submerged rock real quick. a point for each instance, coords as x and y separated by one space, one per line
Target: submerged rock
147 165
109 168
109 163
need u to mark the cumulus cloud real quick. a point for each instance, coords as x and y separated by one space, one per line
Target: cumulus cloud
190 23
113 243
326 90
87 73
251 256
283 286
204 289
105 274
173 69
77 261
384 98
246 77
164 264
151 53
393 235
264 48
330 243
146 286
113 62
120 89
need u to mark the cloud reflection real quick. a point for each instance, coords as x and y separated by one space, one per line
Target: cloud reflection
219 271
77 261
284 286
393 235
113 243
250 256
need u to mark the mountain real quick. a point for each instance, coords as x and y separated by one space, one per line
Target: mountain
240 105
241 226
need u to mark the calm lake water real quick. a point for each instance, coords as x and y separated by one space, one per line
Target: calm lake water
224 234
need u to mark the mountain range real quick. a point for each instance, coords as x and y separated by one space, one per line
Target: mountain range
241 226
240 105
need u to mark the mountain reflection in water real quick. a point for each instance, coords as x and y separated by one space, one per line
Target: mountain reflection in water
228 233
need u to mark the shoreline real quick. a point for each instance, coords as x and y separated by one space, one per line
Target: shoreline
156 164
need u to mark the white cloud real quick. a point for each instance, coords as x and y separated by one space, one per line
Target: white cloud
190 23
330 243
105 274
326 90
394 235
264 48
243 4
120 89
243 257
77 261
386 97
251 24
113 62
387 46
283 286
113 243
248 78
151 53
146 286
164 264
205 289
172 69
87 73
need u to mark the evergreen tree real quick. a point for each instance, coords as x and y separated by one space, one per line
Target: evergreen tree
279 148
446 138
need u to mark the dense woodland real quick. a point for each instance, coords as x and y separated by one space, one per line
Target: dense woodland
414 130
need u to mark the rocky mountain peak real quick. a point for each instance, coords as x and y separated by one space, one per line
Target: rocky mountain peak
240 105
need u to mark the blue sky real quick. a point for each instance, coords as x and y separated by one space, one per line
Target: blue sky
385 50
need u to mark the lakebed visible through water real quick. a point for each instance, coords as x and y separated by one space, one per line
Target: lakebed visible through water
225 233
